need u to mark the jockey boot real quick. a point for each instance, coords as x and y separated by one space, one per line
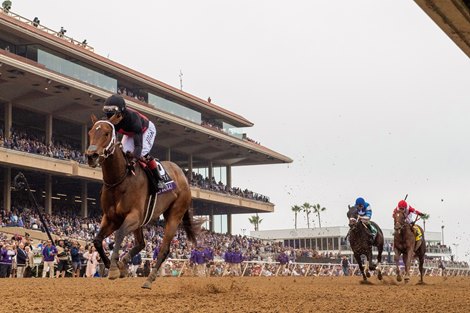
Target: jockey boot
156 174
152 164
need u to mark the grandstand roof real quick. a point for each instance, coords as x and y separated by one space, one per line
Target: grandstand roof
453 17
31 85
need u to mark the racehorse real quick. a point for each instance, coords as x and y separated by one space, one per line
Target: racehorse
404 243
124 196
359 239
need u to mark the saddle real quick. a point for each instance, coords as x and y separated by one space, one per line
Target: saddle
153 186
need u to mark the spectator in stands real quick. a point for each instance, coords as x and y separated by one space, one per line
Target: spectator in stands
345 266
62 257
283 259
135 264
49 252
21 260
75 256
91 255
237 259
198 260
6 259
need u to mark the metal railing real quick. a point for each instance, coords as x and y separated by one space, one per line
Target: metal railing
48 30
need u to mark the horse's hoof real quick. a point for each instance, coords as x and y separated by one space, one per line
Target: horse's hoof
114 273
368 274
147 285
398 278
379 275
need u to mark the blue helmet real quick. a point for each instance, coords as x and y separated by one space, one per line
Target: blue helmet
360 201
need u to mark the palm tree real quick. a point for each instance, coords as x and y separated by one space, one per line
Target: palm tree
317 209
255 220
307 208
424 217
296 209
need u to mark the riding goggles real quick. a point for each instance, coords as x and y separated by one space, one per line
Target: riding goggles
111 109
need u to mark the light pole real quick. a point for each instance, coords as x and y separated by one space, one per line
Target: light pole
442 235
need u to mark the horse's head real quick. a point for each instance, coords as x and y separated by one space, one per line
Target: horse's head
352 215
102 141
399 219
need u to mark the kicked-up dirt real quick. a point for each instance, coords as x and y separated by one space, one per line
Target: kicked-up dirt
239 294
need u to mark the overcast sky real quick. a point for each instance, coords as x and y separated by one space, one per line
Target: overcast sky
369 98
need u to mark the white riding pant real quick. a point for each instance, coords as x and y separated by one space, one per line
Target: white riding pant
149 138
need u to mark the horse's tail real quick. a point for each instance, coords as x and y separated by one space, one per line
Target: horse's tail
192 226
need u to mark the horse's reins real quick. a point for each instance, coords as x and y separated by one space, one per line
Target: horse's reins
109 150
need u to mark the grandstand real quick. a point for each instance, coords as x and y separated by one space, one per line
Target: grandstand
50 84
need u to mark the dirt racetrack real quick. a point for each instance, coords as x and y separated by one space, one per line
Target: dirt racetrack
246 294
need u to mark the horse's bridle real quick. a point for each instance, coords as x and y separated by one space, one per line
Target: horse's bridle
109 150
111 147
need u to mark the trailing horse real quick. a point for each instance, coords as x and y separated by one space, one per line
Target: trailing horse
359 239
405 243
125 200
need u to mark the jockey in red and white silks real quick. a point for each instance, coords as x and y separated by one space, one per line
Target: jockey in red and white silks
402 205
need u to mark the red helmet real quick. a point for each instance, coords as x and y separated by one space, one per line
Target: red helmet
402 204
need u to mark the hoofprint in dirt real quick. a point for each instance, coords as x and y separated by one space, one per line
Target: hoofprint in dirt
245 294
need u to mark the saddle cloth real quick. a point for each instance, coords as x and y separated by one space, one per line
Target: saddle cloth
153 192
417 232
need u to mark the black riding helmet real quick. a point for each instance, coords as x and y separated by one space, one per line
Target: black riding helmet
114 104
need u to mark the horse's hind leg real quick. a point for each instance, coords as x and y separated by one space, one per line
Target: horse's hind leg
138 246
172 221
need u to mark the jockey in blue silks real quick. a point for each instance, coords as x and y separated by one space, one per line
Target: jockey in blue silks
364 215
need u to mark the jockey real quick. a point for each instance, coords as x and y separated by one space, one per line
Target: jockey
402 205
365 213
408 210
138 132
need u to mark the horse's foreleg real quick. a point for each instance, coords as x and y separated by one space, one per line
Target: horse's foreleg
130 224
380 248
106 229
359 263
407 256
397 262
171 226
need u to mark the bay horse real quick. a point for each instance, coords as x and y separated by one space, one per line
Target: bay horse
359 240
124 196
404 243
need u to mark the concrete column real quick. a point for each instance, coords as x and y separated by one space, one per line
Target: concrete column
83 197
229 176
49 129
48 198
229 224
211 220
8 119
168 154
211 171
190 164
7 189
84 138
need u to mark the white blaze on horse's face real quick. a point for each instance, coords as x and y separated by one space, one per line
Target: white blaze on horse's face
102 139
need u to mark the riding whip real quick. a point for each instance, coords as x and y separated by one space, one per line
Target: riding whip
21 184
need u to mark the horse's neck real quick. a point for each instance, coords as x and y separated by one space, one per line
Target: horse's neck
114 166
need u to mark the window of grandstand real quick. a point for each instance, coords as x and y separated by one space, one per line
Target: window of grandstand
169 106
